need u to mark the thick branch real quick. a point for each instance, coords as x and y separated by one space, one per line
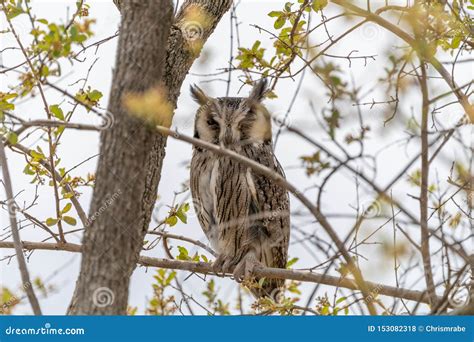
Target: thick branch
206 268
124 195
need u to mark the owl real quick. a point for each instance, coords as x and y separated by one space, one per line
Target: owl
244 215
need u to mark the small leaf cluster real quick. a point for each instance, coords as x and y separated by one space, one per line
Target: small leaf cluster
161 304
325 308
314 163
178 212
216 305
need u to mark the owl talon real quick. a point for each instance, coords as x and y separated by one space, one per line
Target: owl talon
221 265
244 269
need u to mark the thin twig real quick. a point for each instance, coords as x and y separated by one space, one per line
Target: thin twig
17 244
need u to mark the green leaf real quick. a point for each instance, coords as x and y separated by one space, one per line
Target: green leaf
170 278
181 213
274 14
73 32
279 23
44 70
183 253
182 217
291 262
57 112
36 155
319 4
12 138
95 95
68 195
51 222
70 220
27 170
171 221
14 11
66 208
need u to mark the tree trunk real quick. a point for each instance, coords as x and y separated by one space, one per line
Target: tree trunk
131 152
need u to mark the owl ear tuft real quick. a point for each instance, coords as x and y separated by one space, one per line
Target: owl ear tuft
199 95
258 90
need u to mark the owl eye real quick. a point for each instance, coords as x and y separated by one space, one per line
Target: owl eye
212 122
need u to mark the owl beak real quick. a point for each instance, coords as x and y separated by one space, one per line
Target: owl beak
228 140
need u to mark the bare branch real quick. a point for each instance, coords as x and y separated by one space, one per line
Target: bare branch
268 272
25 276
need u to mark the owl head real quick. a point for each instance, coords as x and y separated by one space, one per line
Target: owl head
233 122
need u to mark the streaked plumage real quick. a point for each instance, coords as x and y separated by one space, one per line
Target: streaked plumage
244 215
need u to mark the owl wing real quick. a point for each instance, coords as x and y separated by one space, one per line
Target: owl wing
232 200
270 206
201 172
221 198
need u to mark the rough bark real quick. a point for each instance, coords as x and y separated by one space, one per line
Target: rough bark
129 166
131 154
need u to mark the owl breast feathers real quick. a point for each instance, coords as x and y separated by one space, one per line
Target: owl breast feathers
244 215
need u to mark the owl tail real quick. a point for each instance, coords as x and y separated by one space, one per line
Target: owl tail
272 288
